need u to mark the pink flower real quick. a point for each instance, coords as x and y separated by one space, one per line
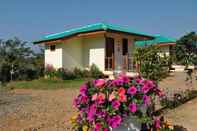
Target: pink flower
115 121
122 98
133 107
160 93
83 89
94 97
84 99
157 123
91 112
132 90
106 129
101 97
139 80
99 82
146 100
145 89
124 78
112 96
121 91
115 104
98 126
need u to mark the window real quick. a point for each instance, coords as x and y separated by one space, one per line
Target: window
52 47
124 46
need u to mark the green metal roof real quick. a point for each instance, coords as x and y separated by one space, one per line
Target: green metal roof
89 28
157 40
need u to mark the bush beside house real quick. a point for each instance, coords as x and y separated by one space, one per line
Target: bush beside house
76 73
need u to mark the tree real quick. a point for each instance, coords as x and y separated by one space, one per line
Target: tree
186 49
153 64
16 59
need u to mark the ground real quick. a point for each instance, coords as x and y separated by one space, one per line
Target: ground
50 110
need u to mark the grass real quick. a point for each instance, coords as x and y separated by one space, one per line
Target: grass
45 84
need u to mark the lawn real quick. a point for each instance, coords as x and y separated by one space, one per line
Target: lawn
45 84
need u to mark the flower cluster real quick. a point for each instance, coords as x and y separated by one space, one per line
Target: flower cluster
105 103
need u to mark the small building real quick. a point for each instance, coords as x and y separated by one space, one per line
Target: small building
108 46
165 44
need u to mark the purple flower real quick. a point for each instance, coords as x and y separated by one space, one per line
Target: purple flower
146 100
133 107
115 104
117 82
145 89
101 113
83 89
124 78
92 112
115 121
132 90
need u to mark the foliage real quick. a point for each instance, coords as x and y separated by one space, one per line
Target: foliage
18 61
95 72
152 63
186 49
177 99
186 52
76 73
106 103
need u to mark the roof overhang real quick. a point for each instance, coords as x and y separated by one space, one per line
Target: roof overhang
89 33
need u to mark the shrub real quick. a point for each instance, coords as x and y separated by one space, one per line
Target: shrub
95 72
153 65
78 73
68 75
50 71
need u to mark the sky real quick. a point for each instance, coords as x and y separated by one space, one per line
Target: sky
31 19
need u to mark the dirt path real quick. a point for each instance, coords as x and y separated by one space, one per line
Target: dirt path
185 115
44 110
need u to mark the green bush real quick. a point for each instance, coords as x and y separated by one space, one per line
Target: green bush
68 75
95 72
78 73
152 64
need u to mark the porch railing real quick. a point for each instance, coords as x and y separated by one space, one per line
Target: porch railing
127 65
109 63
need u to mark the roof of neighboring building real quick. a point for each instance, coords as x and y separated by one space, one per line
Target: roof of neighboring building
159 40
90 28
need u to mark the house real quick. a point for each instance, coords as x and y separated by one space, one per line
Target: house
165 44
108 46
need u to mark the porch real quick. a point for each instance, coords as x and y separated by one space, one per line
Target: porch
118 56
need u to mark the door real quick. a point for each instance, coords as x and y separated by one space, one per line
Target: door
109 54
125 53
118 54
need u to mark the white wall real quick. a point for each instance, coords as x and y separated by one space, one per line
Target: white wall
94 51
53 57
165 50
72 53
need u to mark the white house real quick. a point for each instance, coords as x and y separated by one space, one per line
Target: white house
108 46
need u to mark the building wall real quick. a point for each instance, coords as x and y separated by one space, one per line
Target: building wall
94 51
165 50
72 53
53 57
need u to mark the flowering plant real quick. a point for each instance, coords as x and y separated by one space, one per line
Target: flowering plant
105 103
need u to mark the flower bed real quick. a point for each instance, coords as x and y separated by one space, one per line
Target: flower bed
104 104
